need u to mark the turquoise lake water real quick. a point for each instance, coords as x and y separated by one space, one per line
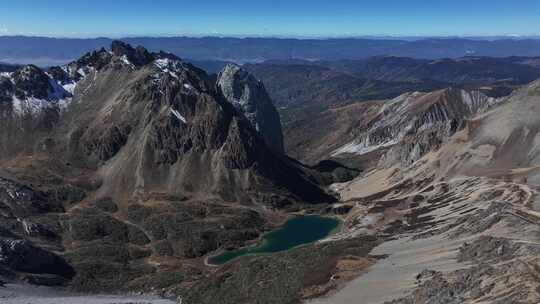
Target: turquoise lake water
296 231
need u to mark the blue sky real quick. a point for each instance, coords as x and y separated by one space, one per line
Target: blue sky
117 18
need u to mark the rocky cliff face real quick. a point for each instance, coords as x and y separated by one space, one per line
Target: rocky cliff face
249 96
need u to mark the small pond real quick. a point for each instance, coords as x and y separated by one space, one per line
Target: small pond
296 231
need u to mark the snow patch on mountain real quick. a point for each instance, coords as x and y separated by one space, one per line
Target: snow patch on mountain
363 147
178 115
170 66
59 92
125 60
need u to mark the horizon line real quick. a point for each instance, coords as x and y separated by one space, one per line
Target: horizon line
296 37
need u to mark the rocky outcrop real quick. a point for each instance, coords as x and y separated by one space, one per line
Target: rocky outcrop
19 201
249 96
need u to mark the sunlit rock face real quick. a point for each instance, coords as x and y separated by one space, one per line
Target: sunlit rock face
249 96
412 124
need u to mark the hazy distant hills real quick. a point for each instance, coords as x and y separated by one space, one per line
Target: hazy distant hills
301 88
5 67
49 51
456 70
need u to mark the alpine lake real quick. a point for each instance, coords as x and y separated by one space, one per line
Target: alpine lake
297 231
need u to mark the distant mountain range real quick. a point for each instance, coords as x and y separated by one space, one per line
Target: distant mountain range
302 88
4 67
51 51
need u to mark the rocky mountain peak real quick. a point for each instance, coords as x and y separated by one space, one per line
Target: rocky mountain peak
31 81
249 96
96 59
139 56
28 71
31 99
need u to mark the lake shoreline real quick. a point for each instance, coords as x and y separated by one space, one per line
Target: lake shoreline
262 240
